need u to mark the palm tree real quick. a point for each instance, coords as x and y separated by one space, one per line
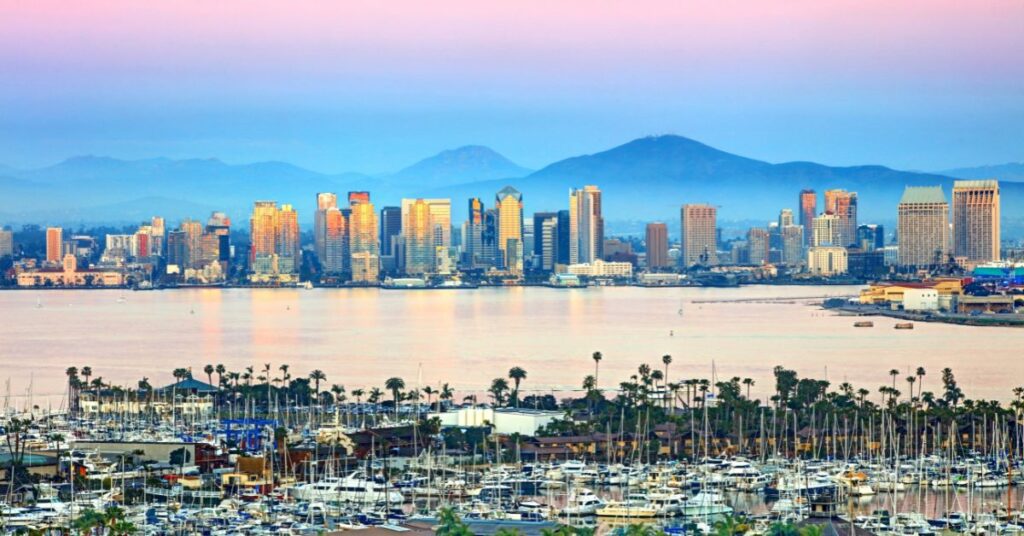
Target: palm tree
358 393
208 369
395 385
430 392
446 393
516 374
920 379
72 373
667 360
894 373
317 376
339 393
910 382
221 371
597 357
375 396
284 372
749 382
498 388
86 373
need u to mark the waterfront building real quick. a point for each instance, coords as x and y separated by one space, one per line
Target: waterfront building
418 234
289 248
866 263
69 274
976 220
219 226
545 242
698 225
362 239
54 244
827 261
757 245
390 230
509 204
808 210
843 205
117 248
6 243
473 236
586 225
274 241
656 242
564 238
923 226
157 232
600 268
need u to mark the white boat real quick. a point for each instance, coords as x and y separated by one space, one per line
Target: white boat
354 488
583 503
706 504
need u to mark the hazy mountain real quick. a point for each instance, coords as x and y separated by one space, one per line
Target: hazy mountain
1013 171
472 163
643 180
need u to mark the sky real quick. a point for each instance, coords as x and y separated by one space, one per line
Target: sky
372 86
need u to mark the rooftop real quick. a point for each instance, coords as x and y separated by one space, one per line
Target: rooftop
923 195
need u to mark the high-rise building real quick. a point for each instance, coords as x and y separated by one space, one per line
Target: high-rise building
827 260
922 226
473 236
193 244
976 220
363 244
509 204
586 225
289 247
870 237
792 246
219 226
157 230
808 210
334 241
844 205
419 231
545 227
324 201
54 244
564 238
656 242
177 249
785 218
699 235
825 229
263 232
275 247
6 242
757 245
390 229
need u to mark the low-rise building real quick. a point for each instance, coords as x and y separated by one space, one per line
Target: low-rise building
827 261
921 299
68 274
600 268
504 421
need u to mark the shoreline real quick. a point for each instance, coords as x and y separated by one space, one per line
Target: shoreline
984 320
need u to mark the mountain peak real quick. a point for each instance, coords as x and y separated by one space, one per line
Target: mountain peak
468 163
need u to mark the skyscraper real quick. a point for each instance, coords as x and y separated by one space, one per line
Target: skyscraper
263 231
426 229
976 220
792 245
390 229
363 245
54 244
509 204
808 210
699 235
473 236
844 205
545 228
564 238
335 241
586 225
7 242
825 230
289 252
324 201
757 245
219 225
656 241
922 226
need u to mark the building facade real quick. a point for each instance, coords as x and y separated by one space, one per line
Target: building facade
698 226
922 226
656 241
976 220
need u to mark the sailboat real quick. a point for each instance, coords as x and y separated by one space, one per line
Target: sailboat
39 303
680 307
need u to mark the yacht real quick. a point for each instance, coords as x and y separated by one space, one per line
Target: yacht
583 503
354 488
706 504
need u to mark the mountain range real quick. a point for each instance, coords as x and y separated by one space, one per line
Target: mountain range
642 180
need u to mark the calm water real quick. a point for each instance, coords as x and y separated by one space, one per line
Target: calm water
360 337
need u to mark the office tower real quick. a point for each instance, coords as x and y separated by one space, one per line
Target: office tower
263 235
363 245
564 238
289 252
545 225
586 225
656 241
489 238
844 205
193 244
141 242
418 234
157 230
324 201
177 249
976 220
54 244
334 241
808 210
922 226
757 245
509 204
699 235
825 229
6 242
792 245
390 229
785 218
870 237
219 226
473 236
